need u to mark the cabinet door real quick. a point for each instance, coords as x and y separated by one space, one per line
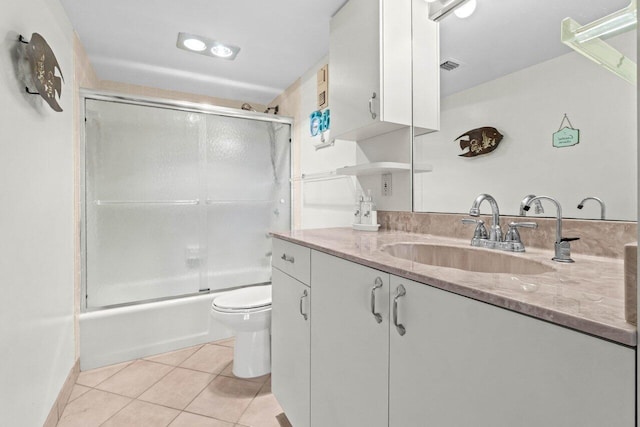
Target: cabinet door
349 363
290 346
355 66
466 363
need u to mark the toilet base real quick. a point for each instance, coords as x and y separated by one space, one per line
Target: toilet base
252 354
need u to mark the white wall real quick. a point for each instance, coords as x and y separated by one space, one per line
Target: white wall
36 222
327 203
391 147
331 203
527 107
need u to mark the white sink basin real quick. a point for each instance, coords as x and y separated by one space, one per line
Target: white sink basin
470 259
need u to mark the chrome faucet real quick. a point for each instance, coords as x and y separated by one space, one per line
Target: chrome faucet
597 199
495 233
538 209
562 244
493 239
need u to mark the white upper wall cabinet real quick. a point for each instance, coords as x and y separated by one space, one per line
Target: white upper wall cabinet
384 67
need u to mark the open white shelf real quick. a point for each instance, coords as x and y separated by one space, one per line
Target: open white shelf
421 167
375 168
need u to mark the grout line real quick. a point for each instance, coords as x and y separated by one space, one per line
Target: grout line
159 379
214 376
130 362
174 418
249 405
119 410
196 347
211 418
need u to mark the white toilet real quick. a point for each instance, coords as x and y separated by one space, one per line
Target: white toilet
248 312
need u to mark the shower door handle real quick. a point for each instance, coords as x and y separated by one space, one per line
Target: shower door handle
377 285
400 292
302 313
288 258
373 113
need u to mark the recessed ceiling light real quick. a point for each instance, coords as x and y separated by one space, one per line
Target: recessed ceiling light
194 44
206 46
221 51
466 9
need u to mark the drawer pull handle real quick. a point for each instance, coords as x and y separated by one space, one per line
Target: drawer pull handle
400 292
288 258
378 285
304 295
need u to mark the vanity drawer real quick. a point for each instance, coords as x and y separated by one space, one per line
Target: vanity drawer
295 260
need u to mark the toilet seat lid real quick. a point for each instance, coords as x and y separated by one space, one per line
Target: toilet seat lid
245 298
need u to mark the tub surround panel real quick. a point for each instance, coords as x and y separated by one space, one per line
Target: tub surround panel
587 296
597 238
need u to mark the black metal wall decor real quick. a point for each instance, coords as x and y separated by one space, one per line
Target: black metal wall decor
43 65
480 141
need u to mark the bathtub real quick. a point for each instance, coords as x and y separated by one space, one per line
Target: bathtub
120 334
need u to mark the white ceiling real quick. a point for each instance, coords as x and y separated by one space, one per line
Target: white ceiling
134 41
504 36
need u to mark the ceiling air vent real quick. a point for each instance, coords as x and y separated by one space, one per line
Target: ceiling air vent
449 65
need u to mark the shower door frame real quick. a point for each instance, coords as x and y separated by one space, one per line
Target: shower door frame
169 104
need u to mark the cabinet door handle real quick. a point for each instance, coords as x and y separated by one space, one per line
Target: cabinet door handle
373 113
400 292
378 285
304 295
288 258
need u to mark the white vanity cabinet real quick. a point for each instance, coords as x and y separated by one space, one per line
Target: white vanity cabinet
350 349
377 52
290 330
466 363
460 362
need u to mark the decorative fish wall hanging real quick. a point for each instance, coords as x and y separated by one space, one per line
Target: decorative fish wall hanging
43 65
481 141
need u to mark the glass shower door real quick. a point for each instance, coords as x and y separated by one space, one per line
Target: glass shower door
248 193
180 202
142 203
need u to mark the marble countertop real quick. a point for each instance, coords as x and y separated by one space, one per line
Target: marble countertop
587 296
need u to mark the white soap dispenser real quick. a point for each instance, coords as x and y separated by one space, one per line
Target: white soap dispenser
357 213
367 207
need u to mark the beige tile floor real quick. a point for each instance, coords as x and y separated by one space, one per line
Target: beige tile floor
192 387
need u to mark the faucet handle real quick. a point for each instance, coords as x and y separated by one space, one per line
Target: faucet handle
569 239
513 235
523 225
480 231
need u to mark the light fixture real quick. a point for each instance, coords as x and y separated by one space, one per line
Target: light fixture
438 10
466 9
588 40
194 44
616 23
206 46
221 50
